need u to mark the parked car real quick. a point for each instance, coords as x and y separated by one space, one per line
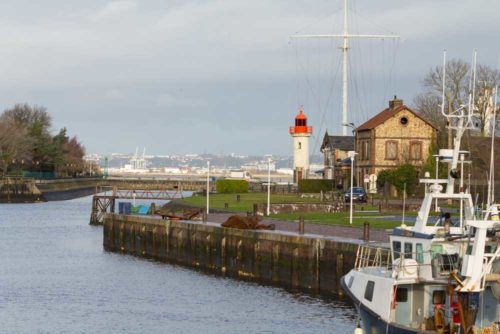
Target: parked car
358 195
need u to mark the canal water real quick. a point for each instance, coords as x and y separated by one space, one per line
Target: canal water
55 277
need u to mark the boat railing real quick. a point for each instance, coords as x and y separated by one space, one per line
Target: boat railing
410 264
368 256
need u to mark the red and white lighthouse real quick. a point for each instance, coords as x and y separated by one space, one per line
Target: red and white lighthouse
300 134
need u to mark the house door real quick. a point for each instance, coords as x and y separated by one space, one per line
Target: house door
299 175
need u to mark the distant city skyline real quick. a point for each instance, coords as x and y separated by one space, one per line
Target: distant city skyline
223 76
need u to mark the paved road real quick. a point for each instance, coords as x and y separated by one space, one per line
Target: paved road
348 232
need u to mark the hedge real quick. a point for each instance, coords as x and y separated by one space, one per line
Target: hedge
315 185
231 186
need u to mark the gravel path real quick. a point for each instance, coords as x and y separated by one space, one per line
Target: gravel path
379 235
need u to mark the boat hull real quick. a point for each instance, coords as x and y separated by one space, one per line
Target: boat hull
371 322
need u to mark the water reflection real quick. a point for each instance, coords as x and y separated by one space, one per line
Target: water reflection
56 277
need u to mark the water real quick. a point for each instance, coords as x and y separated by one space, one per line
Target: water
56 277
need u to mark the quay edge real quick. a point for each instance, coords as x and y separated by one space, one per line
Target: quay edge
310 263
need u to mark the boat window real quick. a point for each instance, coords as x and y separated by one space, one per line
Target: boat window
396 248
370 286
401 295
408 250
420 252
351 280
490 249
436 249
438 297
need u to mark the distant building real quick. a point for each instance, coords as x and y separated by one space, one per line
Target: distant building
300 134
395 136
240 175
334 149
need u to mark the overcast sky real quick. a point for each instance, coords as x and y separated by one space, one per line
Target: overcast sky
222 76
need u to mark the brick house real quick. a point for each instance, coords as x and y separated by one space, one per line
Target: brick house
334 149
391 138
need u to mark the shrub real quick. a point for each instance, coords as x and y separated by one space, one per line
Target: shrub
231 186
404 174
383 177
315 186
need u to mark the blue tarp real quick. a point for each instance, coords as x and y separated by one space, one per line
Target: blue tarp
143 209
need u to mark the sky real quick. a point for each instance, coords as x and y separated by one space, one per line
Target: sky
223 76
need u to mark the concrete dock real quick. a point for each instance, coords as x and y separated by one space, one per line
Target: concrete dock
310 262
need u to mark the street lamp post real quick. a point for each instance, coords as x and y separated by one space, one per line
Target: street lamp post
208 187
351 155
437 175
354 131
268 186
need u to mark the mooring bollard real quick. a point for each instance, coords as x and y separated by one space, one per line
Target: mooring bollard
366 231
301 225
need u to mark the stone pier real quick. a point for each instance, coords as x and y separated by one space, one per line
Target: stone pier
308 262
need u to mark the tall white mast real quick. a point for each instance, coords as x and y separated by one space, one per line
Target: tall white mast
345 49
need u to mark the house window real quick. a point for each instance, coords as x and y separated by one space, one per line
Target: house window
365 150
391 150
370 286
416 150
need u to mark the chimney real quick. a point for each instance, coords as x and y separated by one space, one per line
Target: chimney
393 104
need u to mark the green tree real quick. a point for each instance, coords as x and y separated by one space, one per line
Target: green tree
430 163
405 174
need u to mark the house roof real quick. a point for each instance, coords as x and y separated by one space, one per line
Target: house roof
387 114
344 143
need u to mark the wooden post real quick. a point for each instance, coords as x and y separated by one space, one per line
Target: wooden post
366 231
301 225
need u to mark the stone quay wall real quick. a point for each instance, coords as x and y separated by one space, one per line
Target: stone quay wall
307 262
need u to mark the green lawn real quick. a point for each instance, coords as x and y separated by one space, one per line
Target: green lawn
246 200
376 220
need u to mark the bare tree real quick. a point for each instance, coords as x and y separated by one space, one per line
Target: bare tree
28 116
456 94
426 104
15 144
487 80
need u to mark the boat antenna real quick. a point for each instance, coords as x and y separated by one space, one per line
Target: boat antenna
472 85
444 85
491 183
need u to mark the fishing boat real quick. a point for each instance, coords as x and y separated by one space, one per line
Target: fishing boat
441 275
